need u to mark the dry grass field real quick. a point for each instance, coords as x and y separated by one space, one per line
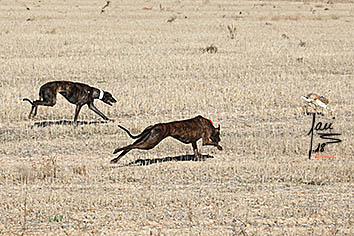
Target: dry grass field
159 60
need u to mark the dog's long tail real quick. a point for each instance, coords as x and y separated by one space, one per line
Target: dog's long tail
26 99
137 136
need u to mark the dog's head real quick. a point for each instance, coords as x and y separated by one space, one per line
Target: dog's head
107 98
215 136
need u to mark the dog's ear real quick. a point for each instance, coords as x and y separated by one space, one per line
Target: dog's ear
218 128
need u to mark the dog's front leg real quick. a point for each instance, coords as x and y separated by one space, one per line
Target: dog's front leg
195 149
206 141
93 108
77 111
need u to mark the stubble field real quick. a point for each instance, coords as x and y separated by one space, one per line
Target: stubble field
153 57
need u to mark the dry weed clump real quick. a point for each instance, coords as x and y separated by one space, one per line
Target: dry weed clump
105 6
290 18
51 31
171 19
210 49
232 31
80 170
46 171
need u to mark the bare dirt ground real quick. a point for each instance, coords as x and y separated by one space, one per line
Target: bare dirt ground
158 59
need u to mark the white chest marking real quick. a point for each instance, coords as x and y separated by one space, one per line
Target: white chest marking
101 94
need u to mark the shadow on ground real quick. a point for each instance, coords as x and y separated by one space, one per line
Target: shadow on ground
68 122
146 162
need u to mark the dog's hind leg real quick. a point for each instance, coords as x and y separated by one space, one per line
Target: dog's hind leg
33 108
93 108
146 142
47 97
33 112
46 102
51 102
126 149
115 160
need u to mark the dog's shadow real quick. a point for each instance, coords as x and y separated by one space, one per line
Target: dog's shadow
68 122
146 162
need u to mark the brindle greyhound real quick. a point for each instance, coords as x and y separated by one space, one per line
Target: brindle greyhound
186 131
76 93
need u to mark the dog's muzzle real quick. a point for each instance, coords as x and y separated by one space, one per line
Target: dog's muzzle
110 101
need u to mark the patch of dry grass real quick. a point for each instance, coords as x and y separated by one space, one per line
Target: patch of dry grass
58 180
